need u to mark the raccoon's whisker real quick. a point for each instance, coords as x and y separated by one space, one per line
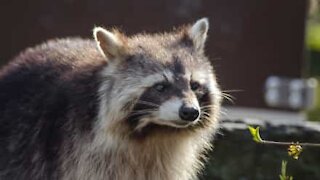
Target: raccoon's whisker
205 113
148 103
228 97
207 106
224 113
205 109
203 119
138 113
207 118
141 101
141 112
231 90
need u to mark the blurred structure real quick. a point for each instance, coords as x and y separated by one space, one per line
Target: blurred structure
249 40
313 7
302 93
291 93
312 63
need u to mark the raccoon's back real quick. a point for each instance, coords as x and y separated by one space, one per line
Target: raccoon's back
47 94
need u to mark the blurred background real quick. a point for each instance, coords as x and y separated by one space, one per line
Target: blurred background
266 54
249 40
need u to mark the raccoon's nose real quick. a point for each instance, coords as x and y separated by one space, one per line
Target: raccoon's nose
188 113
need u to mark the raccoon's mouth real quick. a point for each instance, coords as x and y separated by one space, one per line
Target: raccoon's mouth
169 123
182 123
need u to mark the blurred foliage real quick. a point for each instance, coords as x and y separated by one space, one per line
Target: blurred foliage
313 36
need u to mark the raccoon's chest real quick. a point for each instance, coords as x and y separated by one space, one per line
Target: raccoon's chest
170 161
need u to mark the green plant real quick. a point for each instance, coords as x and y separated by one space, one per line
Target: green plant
283 175
294 149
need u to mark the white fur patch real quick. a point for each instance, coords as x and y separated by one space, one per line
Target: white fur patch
168 115
170 110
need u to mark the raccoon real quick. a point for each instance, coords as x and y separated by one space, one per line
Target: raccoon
143 107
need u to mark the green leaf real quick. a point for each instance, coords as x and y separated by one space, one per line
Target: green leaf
284 168
283 175
255 134
282 178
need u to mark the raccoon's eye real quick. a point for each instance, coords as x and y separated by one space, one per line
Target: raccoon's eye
160 87
194 86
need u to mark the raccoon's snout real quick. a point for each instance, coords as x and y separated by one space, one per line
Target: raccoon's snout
188 113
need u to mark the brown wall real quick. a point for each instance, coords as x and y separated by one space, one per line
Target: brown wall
249 39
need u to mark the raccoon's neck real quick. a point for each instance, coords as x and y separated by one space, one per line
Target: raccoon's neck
170 158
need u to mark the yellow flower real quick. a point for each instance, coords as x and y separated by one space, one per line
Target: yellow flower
295 150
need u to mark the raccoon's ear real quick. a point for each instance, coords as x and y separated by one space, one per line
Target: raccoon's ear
111 44
198 33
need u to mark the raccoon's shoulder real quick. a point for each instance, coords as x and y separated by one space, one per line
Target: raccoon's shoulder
69 55
58 69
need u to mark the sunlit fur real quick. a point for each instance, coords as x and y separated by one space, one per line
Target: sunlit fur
113 146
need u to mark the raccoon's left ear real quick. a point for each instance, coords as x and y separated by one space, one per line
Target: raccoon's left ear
198 33
111 44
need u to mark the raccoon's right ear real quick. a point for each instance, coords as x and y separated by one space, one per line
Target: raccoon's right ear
197 33
111 44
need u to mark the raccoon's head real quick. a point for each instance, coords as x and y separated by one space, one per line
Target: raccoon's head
157 80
